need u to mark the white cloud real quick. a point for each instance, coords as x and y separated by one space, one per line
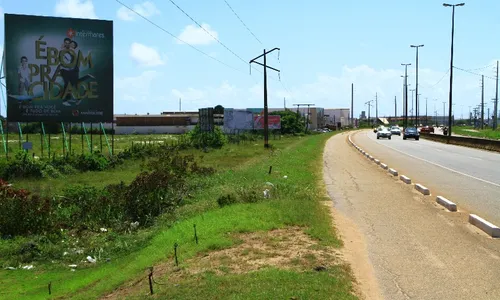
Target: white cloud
136 88
146 56
75 9
195 35
146 9
335 91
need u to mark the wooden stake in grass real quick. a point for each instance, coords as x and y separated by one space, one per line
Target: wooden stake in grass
150 277
175 254
50 287
270 169
195 235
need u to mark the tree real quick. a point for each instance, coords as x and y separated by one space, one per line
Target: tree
219 109
291 122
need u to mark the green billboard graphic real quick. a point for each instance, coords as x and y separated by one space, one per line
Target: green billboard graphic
58 69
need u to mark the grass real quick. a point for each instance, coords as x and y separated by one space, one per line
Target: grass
295 201
481 133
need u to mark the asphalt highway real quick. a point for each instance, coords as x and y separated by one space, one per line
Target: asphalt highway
466 176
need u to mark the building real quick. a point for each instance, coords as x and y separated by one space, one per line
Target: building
334 116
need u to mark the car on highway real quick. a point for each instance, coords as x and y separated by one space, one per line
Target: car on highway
427 129
412 133
395 130
384 133
377 129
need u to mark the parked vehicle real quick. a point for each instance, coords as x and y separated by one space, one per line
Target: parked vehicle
412 133
384 133
395 130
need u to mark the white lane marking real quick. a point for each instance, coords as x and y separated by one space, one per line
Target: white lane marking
438 150
446 168
476 158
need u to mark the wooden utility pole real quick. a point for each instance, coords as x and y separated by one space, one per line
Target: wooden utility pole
266 119
482 101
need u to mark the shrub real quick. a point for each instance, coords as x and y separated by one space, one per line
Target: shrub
200 139
226 200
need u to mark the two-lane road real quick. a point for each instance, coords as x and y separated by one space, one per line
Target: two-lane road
469 177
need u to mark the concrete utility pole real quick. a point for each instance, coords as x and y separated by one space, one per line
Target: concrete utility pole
369 105
416 81
266 113
412 111
451 62
352 104
395 108
482 101
406 95
495 112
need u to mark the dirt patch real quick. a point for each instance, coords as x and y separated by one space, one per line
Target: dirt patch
289 249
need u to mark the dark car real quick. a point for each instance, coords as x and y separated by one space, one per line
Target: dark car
412 133
427 129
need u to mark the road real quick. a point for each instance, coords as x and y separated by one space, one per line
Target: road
414 248
468 177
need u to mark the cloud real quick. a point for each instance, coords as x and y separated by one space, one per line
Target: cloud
75 9
146 56
146 9
195 35
136 88
329 91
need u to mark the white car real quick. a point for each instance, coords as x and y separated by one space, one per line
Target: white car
384 133
395 130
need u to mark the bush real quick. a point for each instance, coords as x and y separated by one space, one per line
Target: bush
291 122
226 200
200 139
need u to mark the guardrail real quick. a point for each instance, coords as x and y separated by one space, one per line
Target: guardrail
471 142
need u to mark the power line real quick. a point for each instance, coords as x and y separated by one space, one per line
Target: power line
482 68
473 73
208 32
243 22
174 36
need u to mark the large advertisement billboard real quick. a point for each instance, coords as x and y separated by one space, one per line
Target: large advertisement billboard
58 69
244 119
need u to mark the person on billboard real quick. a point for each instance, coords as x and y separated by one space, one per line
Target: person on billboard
24 76
66 72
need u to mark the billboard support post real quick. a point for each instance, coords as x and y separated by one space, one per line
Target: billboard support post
41 139
45 138
3 137
91 138
70 137
65 141
20 135
266 128
113 137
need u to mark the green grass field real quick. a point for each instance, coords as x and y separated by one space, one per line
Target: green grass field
295 202
481 133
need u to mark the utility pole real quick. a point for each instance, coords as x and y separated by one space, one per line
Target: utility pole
352 104
416 82
426 111
482 101
266 113
451 62
412 111
395 108
369 105
376 108
444 110
406 94
495 108
488 116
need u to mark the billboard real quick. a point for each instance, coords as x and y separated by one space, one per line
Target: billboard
206 119
58 69
244 119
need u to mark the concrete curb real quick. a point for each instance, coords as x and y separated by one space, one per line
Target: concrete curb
422 189
371 157
484 225
383 166
405 179
446 203
377 161
393 172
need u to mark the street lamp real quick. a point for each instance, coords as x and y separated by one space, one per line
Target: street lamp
416 82
451 61
406 95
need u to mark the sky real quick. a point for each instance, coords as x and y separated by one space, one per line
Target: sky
325 46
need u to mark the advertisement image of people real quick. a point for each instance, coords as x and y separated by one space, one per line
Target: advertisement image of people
58 69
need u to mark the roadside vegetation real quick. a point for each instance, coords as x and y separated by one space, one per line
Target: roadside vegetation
487 133
260 233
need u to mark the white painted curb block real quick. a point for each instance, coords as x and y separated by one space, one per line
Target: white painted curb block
422 189
393 172
383 166
377 161
371 157
405 179
446 203
484 225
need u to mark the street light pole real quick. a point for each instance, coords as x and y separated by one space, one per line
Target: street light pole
405 125
412 108
416 82
451 62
